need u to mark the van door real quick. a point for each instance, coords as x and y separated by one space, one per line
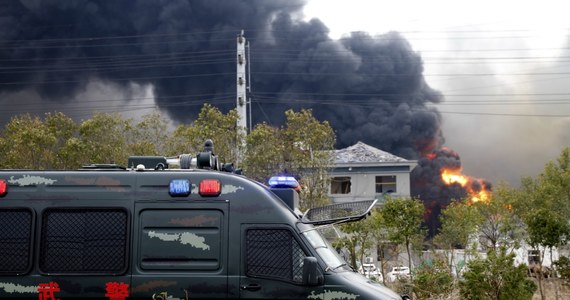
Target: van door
272 264
180 251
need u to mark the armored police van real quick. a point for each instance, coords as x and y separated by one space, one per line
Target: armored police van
150 231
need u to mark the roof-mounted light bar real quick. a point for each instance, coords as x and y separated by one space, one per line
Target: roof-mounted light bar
284 182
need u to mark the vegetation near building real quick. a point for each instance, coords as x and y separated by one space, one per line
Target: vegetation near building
536 214
496 277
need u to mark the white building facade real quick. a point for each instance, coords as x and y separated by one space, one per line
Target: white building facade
362 172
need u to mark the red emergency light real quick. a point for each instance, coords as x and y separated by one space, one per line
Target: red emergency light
210 188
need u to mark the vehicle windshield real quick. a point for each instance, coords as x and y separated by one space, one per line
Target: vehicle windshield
325 250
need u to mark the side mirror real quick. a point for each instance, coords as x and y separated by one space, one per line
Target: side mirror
311 273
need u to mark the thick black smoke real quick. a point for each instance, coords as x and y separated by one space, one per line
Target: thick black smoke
370 88
436 194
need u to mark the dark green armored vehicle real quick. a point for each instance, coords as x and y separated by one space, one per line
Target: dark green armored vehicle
153 232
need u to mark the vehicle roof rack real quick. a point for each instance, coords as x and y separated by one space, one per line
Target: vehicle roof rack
105 167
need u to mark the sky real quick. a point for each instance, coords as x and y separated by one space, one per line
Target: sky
503 68
495 76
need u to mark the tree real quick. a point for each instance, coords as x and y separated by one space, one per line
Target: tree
552 187
563 267
307 153
211 124
403 218
496 278
500 226
548 229
147 137
380 235
544 205
458 224
102 139
28 144
264 152
433 281
63 129
302 148
357 239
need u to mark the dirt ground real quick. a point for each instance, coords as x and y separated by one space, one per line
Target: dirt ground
550 287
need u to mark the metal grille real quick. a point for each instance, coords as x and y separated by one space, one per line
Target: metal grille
274 253
84 241
15 240
338 211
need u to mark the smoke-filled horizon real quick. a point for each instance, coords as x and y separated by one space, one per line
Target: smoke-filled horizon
369 88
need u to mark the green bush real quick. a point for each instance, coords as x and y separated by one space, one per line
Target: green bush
496 278
563 268
433 280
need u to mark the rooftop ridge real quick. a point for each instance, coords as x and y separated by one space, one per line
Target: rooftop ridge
364 153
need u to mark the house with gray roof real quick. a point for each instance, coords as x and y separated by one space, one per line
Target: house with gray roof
362 172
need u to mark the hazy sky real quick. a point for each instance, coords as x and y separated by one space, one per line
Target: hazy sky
503 67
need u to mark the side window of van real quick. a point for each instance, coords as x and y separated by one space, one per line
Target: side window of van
84 240
274 253
15 240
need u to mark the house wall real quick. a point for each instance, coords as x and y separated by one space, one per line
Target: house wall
363 185
522 255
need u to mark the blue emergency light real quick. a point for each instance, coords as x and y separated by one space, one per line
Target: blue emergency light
283 182
179 188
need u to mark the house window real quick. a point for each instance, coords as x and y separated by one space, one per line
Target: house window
340 185
386 184
533 257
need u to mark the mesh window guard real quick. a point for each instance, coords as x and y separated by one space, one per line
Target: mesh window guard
350 211
15 240
274 253
84 240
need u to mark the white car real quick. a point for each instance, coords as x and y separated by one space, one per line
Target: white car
370 271
399 272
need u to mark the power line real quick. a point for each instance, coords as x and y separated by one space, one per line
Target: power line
142 56
414 74
76 42
118 79
233 31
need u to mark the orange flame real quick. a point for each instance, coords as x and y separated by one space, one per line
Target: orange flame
452 176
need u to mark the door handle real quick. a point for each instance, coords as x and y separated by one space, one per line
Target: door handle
251 287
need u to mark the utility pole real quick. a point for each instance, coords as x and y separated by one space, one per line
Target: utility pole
241 97
241 100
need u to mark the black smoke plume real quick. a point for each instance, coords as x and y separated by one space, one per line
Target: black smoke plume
370 88
434 192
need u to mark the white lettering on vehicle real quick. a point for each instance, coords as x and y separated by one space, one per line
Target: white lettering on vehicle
332 295
185 238
230 189
31 180
16 288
